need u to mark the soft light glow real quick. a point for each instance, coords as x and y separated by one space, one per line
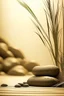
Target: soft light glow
18 29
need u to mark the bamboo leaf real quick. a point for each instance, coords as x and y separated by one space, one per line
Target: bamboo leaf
33 15
40 38
28 9
40 32
58 33
48 27
57 12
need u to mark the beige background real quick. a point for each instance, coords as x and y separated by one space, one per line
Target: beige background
17 28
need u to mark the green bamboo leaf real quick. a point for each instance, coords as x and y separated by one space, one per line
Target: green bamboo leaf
41 38
54 29
57 12
33 15
28 9
48 27
40 32
50 11
51 48
58 33
44 42
31 12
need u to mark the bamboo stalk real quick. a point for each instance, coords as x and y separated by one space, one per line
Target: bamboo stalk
63 33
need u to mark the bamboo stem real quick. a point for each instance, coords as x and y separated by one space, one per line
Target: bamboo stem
63 36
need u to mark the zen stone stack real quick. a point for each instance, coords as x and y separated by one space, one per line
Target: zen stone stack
44 76
13 62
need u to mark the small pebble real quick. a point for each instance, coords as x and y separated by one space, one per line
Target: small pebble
25 85
18 86
24 82
4 85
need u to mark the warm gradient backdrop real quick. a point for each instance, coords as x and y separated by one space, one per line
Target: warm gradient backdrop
18 30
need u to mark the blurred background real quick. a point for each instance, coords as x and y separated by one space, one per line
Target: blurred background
19 31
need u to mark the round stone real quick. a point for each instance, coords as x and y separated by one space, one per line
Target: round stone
10 54
30 73
17 71
21 61
4 85
17 86
20 84
9 63
4 53
16 52
25 85
3 50
42 81
2 73
48 70
4 46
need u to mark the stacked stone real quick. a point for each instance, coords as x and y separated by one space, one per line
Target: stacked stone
44 76
13 61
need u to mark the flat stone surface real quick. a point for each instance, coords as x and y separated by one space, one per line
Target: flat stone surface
44 81
48 70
